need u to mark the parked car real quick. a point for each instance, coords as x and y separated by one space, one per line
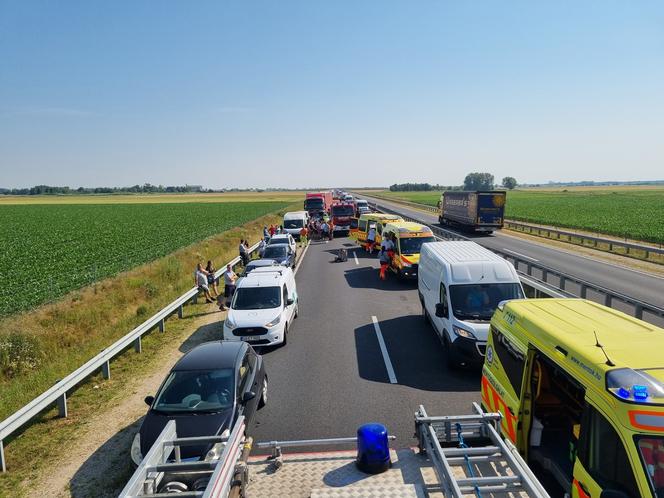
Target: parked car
284 238
460 284
205 392
282 253
258 263
263 307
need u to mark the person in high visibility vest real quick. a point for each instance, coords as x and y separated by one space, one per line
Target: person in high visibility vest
371 239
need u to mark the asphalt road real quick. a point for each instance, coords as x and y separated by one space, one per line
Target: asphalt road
634 283
332 377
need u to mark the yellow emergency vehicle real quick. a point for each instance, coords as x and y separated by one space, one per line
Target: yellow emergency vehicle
364 222
581 390
408 238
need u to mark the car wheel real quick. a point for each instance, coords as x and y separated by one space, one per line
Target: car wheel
263 401
285 341
297 311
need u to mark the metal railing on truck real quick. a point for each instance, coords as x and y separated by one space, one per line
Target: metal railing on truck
557 283
58 393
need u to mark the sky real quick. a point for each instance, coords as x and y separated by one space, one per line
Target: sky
329 93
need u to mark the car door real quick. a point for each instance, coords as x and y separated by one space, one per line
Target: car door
246 382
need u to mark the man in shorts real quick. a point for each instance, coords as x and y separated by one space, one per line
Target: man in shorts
229 284
201 280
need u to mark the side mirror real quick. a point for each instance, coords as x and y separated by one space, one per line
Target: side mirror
149 400
248 396
290 301
613 493
441 310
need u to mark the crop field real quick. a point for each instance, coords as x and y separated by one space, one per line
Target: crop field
51 249
633 212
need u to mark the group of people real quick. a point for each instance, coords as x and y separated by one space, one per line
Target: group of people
321 228
272 231
206 282
385 254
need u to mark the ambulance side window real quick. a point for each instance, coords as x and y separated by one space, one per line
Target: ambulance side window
379 228
363 225
512 360
602 454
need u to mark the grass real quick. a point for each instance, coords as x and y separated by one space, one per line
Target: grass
50 250
633 212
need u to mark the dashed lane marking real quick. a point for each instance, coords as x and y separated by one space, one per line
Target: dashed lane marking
357 261
383 349
520 255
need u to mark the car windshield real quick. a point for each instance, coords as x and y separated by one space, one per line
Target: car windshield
256 298
342 211
197 391
293 223
651 451
276 251
479 301
413 245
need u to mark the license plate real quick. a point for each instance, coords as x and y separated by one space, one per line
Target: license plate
250 338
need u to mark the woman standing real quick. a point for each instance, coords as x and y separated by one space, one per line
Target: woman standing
212 281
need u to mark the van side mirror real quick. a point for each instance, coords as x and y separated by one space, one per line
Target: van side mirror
613 493
149 400
290 301
441 310
248 396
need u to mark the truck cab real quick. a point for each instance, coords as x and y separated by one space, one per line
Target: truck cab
581 390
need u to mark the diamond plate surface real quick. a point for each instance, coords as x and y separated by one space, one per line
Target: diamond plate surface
365 491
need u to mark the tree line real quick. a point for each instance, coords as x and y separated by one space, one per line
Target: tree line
473 181
146 188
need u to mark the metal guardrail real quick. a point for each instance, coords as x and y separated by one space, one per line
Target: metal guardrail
548 280
58 393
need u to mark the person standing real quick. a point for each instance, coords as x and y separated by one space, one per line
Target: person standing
247 252
371 239
261 247
266 233
202 282
303 235
212 281
384 263
331 229
243 252
229 284
272 230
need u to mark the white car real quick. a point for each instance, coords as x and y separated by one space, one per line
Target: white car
284 238
263 308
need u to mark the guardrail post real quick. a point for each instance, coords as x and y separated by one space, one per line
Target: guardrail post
638 311
608 298
180 311
62 405
194 300
106 370
529 269
3 463
584 291
138 347
162 325
562 282
545 274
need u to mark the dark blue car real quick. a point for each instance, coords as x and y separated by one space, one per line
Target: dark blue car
205 392
282 253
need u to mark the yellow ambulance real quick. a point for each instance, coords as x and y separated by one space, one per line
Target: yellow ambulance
364 223
581 390
408 238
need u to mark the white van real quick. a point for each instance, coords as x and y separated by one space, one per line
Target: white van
294 221
263 307
460 285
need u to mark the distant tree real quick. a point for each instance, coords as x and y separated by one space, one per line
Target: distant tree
509 182
478 181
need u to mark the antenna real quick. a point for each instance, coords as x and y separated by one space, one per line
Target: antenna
608 360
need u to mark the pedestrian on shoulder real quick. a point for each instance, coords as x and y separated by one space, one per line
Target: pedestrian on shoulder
229 284
212 281
303 235
384 263
266 233
201 280
273 230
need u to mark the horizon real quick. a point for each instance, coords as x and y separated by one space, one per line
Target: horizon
294 94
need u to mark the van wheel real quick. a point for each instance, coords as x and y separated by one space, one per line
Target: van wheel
285 335
452 363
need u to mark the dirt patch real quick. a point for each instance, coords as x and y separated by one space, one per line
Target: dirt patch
98 462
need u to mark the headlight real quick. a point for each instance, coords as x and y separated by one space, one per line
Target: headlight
136 455
272 323
464 333
229 323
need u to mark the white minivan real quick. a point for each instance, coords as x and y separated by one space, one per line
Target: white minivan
263 307
294 221
460 284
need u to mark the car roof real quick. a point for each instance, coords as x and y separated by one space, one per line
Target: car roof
266 277
257 263
407 227
380 216
211 355
277 245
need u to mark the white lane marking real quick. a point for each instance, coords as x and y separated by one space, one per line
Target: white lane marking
520 255
299 263
357 262
383 349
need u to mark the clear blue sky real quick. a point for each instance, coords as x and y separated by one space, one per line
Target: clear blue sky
285 93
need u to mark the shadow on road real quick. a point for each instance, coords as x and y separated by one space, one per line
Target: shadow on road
206 333
108 469
367 278
416 354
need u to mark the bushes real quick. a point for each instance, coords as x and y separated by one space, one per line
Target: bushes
19 353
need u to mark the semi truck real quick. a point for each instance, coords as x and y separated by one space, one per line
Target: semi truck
317 202
480 211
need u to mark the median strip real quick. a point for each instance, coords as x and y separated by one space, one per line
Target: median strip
383 349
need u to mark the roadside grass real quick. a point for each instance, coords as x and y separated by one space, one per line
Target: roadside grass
631 212
69 332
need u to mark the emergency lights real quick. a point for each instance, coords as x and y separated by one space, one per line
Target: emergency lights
636 386
373 449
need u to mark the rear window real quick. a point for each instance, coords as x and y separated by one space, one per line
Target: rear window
293 223
275 251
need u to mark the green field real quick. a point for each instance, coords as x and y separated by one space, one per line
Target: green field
52 249
632 212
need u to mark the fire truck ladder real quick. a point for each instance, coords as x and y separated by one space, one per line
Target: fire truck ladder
162 473
499 454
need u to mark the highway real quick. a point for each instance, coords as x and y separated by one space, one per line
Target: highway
633 283
332 376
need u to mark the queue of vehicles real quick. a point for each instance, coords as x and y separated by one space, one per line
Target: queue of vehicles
579 386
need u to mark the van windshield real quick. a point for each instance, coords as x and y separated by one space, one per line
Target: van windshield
479 301
256 298
651 451
293 223
413 245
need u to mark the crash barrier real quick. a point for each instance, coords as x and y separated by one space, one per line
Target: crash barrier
58 393
623 248
549 281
